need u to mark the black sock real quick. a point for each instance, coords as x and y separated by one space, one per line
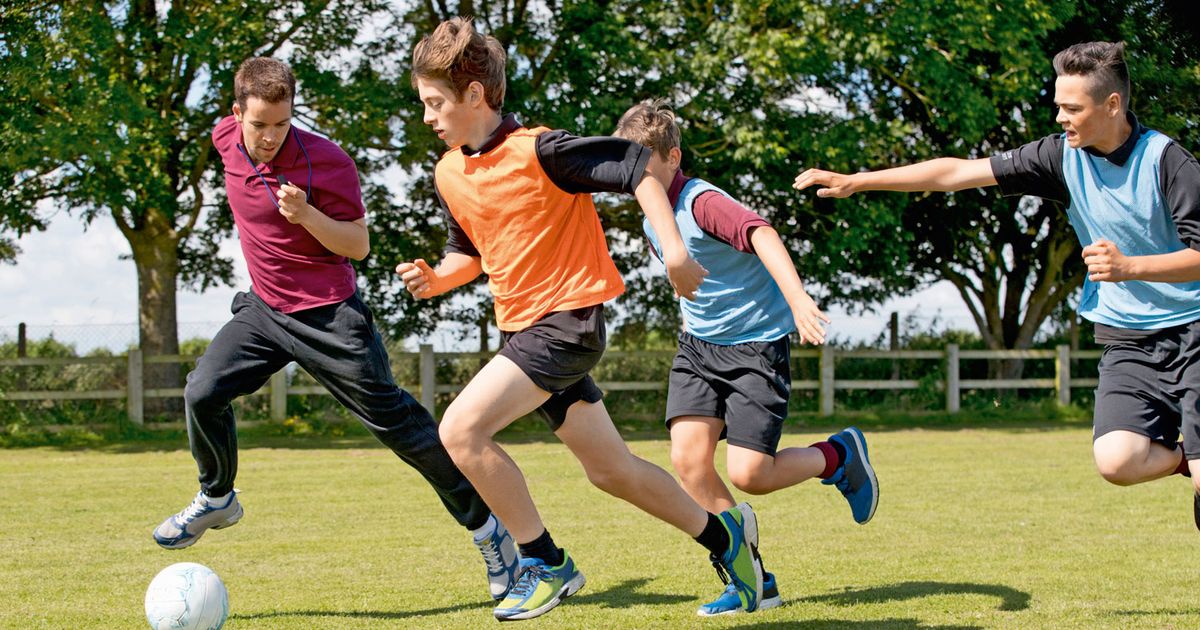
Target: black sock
543 549
715 537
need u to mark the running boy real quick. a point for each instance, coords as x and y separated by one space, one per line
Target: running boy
519 209
731 377
1133 197
297 238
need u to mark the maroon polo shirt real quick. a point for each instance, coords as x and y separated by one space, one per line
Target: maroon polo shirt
289 268
720 216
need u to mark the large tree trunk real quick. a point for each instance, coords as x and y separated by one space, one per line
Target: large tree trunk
155 253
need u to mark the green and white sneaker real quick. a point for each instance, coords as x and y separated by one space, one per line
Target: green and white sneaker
539 588
739 566
185 528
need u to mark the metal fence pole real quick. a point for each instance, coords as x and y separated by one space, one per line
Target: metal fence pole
1062 374
953 395
827 371
279 395
428 379
135 403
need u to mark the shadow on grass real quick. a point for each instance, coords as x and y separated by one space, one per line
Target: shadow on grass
842 624
622 595
1010 598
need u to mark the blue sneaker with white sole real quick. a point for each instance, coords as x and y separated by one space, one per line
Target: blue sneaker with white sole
855 478
539 588
730 604
185 528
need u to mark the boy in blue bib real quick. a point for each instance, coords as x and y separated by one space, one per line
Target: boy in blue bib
731 377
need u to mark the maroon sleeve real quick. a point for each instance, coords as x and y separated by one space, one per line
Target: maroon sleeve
726 220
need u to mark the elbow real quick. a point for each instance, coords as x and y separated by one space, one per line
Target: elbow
360 252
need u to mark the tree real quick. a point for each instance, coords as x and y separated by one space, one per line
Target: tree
106 110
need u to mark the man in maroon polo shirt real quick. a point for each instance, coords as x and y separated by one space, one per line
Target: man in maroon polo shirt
298 207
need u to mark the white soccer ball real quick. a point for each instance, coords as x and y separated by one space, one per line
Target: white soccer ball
186 596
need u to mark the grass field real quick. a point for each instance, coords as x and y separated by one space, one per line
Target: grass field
976 528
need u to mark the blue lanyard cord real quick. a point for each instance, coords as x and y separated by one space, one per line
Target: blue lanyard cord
266 186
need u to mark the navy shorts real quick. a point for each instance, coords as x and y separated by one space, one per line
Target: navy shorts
556 352
747 385
1151 387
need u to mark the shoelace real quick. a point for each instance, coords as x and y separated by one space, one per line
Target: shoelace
191 512
529 579
491 555
721 572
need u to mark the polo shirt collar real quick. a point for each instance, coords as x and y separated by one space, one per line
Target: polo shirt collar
508 124
1121 154
288 155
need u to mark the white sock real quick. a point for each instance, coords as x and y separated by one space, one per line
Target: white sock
486 529
221 500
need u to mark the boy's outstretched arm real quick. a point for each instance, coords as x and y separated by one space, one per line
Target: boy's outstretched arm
775 257
941 174
683 271
424 282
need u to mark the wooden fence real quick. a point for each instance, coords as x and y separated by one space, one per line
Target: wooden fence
827 384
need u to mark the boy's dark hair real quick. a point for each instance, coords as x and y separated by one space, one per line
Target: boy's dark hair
457 54
651 124
1103 63
263 77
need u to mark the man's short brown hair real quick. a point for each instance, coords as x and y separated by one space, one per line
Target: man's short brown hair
1103 63
263 77
458 55
651 124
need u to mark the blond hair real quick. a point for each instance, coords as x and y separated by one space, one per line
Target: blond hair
458 55
652 124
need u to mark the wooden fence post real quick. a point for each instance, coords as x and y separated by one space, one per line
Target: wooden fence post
428 369
827 371
1062 374
953 395
279 395
135 403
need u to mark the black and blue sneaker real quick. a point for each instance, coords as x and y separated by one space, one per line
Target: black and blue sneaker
730 604
855 478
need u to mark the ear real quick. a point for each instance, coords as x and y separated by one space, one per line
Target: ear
1113 104
237 112
674 158
475 93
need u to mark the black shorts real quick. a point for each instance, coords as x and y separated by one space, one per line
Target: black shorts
1151 387
556 352
747 385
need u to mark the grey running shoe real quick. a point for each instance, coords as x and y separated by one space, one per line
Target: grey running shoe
185 528
502 559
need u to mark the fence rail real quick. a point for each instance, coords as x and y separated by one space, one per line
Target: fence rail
827 384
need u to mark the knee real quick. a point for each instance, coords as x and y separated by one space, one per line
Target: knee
454 432
1116 468
203 398
692 468
613 476
750 480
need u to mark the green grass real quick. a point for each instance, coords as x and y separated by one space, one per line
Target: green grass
998 527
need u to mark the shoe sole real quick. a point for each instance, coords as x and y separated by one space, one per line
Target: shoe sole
860 444
183 544
766 604
568 589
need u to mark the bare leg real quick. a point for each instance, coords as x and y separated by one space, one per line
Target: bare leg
693 443
758 473
589 432
499 394
1126 458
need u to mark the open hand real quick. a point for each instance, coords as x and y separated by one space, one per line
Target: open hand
832 184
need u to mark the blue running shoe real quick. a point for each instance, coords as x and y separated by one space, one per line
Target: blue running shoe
739 566
539 588
185 528
855 478
501 557
730 604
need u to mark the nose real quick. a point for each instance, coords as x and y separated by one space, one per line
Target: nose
429 118
1061 117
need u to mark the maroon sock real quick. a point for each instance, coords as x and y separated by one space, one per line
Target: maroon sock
832 459
1182 468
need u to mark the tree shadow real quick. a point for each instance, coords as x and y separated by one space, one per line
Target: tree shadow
1010 599
628 593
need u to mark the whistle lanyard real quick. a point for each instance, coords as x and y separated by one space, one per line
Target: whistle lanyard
267 187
